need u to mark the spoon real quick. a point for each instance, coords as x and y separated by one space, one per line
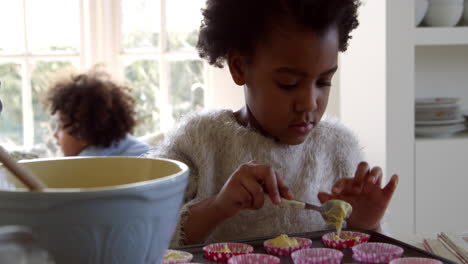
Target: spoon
323 209
21 172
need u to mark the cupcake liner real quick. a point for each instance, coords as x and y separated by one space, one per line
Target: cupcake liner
286 251
254 259
212 253
376 252
186 259
348 243
317 256
415 261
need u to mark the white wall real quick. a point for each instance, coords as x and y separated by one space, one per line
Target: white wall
377 90
223 92
362 82
333 108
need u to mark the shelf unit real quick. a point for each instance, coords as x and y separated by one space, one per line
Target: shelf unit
389 63
436 208
427 36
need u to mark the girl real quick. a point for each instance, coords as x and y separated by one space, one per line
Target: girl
284 53
95 116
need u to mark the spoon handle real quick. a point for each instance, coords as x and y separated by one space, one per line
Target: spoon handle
22 173
300 205
314 207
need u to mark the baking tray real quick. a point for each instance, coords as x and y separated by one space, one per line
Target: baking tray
316 237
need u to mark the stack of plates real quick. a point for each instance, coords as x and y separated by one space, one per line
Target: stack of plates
438 117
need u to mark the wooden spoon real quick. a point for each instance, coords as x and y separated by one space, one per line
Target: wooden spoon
21 172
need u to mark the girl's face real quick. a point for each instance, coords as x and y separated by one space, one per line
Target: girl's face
287 82
70 145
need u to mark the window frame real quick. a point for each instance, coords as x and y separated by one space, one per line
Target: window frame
26 59
162 55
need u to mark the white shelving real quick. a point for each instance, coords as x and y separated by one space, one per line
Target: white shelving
442 71
427 36
441 185
390 63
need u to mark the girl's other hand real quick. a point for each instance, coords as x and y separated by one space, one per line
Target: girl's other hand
365 194
246 188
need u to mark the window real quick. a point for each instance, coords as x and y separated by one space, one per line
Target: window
148 43
36 42
158 55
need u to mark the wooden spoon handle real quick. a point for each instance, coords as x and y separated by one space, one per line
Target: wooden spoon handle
22 173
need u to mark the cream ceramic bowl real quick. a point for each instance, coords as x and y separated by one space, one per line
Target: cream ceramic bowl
100 210
444 13
420 10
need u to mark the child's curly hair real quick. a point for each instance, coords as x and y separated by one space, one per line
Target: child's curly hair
240 24
93 107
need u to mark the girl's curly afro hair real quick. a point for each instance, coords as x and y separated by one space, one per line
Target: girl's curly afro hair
241 24
92 107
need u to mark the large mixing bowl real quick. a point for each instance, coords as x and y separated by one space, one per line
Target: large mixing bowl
100 210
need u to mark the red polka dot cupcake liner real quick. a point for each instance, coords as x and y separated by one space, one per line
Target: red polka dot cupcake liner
254 259
317 256
376 252
286 251
187 257
344 243
212 251
415 261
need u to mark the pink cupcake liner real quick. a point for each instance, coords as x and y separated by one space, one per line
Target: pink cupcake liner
415 261
212 253
286 251
254 259
348 243
376 252
317 256
187 257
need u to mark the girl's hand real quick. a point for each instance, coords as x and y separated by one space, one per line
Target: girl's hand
364 193
246 188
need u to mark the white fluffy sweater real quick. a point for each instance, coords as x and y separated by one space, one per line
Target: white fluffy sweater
214 144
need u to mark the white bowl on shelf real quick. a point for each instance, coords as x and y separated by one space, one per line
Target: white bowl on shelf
437 112
439 122
439 131
444 13
420 10
113 210
436 101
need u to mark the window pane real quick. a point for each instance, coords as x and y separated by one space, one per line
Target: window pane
183 23
11 119
143 78
42 76
11 27
53 26
140 24
186 88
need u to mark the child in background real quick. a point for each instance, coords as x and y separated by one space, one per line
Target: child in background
95 116
284 53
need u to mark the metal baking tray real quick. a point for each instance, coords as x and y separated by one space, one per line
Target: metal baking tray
316 237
